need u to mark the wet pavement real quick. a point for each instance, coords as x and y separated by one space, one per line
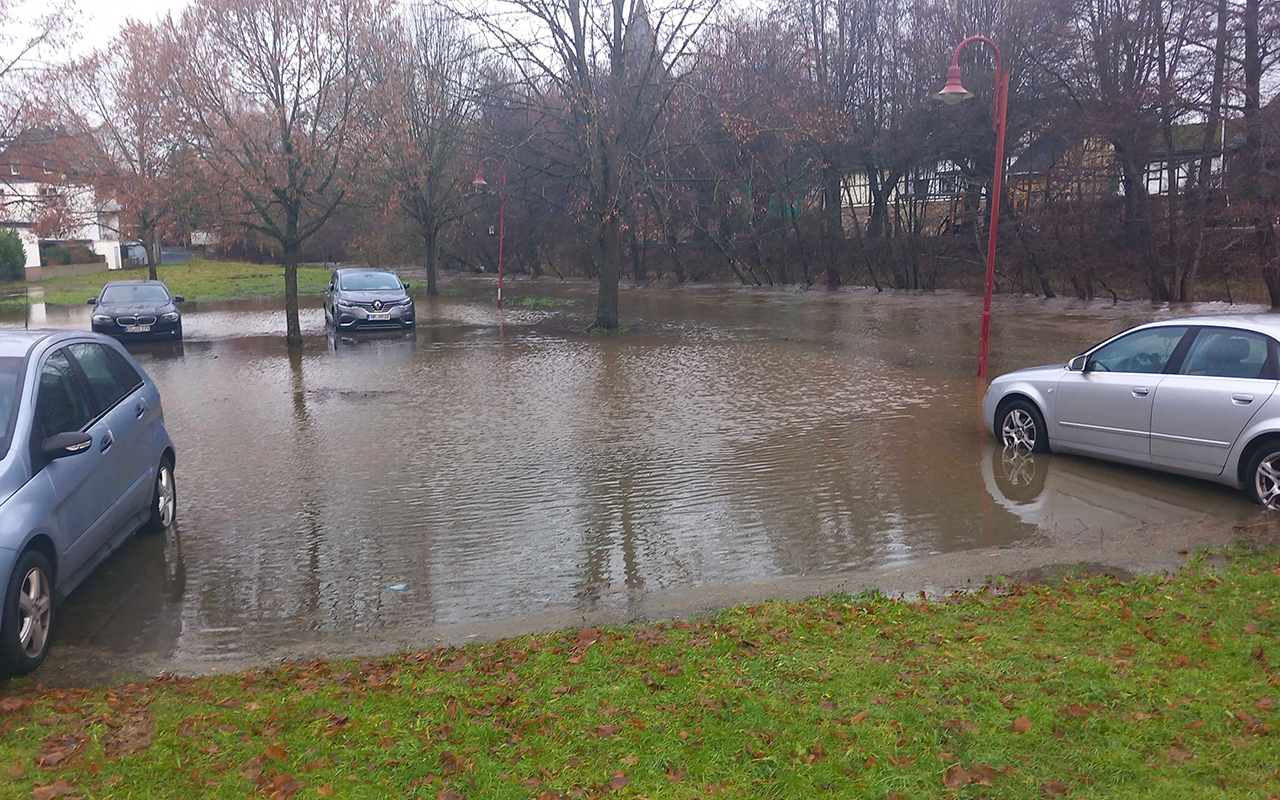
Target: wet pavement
492 475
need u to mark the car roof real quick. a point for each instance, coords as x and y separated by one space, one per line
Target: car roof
143 282
1268 324
347 270
19 343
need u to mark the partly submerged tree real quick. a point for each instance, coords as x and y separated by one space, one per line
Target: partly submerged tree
270 94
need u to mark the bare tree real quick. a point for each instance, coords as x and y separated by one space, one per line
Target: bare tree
269 95
428 73
604 73
116 97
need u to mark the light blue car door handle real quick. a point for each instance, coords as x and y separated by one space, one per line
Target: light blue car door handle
107 441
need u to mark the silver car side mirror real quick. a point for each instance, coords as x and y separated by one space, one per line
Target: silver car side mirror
1078 363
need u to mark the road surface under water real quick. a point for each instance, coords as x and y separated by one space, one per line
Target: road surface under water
366 492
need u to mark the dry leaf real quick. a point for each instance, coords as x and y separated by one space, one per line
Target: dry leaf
1020 725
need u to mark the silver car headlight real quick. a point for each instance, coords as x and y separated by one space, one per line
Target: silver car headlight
172 316
102 319
408 301
340 303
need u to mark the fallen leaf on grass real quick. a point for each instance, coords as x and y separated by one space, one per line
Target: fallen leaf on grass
11 704
674 774
325 791
859 717
209 749
448 794
1053 787
1266 704
58 788
1020 725
618 782
606 731
1178 755
251 770
17 771
1251 627
955 777
275 752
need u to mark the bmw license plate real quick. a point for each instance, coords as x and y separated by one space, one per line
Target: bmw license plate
138 329
376 317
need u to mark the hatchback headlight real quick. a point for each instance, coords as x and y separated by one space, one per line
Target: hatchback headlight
172 316
101 319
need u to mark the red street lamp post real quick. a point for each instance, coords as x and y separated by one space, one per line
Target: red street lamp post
480 182
954 92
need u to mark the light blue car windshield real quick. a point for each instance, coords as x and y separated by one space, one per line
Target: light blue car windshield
10 378
369 282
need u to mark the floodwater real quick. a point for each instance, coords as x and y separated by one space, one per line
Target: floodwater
501 467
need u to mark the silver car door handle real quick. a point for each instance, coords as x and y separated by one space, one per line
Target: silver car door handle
1141 391
139 410
1242 399
107 441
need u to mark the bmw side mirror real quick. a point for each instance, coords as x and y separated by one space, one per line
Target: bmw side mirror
1078 363
93 301
61 445
177 298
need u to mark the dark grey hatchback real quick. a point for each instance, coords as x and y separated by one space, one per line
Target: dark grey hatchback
368 298
137 309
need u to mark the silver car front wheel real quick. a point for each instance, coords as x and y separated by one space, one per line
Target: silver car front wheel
1019 430
35 605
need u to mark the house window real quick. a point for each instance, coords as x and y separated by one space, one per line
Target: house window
48 170
14 169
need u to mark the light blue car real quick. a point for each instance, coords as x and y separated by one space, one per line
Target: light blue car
85 462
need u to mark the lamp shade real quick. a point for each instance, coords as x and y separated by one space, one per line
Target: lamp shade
954 92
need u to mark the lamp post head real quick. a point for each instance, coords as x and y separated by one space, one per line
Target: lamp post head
479 182
954 92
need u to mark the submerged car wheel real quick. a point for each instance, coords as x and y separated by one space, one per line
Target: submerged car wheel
1020 426
28 615
1264 476
164 501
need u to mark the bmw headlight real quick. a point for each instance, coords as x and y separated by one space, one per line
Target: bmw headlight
172 316
101 319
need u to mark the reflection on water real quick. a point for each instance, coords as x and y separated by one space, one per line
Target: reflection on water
474 470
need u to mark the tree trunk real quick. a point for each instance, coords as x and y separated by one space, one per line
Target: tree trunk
1187 289
638 272
610 272
1248 171
293 335
832 224
431 257
152 246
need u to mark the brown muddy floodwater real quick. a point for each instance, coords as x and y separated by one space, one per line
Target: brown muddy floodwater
367 492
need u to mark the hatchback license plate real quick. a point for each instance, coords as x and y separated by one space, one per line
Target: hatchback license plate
383 317
138 329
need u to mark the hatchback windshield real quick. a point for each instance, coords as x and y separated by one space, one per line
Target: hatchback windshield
369 282
10 377
136 293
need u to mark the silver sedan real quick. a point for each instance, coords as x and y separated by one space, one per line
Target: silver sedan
1192 396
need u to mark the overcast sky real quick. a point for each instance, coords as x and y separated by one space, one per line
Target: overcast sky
102 19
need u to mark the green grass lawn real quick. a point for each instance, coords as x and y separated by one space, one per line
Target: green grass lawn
1161 687
199 279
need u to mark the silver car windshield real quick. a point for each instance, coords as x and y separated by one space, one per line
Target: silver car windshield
140 293
10 378
369 282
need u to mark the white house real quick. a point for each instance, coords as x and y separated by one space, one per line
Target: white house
44 191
